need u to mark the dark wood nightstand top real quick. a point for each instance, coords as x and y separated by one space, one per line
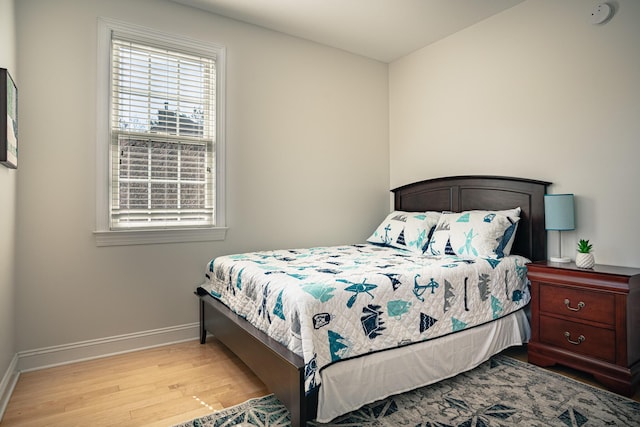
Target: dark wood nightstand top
598 268
600 276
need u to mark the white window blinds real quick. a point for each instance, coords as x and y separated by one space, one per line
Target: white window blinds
162 137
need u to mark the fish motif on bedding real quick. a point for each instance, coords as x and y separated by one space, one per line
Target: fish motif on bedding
333 303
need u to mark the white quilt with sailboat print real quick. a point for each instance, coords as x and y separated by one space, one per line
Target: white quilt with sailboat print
332 303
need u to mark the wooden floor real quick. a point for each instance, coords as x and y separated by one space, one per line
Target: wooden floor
157 387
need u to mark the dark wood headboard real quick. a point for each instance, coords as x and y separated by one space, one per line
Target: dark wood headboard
462 193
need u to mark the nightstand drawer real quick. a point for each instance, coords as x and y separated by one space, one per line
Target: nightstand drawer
578 338
577 303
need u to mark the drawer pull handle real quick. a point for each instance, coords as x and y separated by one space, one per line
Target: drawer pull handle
580 305
581 338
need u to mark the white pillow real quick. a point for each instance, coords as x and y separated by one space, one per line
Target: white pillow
406 230
487 234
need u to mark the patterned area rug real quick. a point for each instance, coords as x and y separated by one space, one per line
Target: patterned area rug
500 392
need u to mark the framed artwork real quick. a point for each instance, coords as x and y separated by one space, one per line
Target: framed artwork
8 120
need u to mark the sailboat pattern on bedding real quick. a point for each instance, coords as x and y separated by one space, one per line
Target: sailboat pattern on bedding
332 303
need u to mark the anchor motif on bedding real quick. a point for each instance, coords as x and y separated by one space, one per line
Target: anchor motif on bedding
386 239
357 289
419 290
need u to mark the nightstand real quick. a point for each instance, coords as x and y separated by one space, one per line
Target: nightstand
588 320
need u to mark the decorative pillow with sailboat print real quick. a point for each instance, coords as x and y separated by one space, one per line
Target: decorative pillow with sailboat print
406 230
475 234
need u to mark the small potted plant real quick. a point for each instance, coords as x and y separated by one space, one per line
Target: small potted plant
584 257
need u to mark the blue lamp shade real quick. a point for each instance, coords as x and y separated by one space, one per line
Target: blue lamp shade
558 212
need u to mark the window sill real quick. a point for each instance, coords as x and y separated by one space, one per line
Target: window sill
152 237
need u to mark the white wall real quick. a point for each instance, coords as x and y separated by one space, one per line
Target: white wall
7 207
537 92
307 164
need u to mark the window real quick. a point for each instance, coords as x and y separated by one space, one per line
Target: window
160 160
162 136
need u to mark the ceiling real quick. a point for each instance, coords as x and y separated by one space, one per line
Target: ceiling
384 30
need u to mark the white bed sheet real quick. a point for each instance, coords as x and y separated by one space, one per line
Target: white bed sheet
348 385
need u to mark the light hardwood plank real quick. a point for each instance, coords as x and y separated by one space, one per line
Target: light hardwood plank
160 386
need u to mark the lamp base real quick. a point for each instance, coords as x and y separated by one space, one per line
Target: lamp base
563 259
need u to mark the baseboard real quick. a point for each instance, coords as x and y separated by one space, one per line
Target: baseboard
46 357
8 383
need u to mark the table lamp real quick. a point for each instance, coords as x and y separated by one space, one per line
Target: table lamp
559 216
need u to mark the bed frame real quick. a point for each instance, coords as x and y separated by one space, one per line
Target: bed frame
282 371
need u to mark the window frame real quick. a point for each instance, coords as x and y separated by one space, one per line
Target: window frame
103 234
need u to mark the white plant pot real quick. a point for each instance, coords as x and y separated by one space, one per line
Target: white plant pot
585 260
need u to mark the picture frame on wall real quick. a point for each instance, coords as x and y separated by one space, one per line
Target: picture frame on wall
8 120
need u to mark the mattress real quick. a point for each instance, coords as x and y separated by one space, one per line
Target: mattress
331 304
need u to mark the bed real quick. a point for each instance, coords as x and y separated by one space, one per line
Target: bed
343 372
